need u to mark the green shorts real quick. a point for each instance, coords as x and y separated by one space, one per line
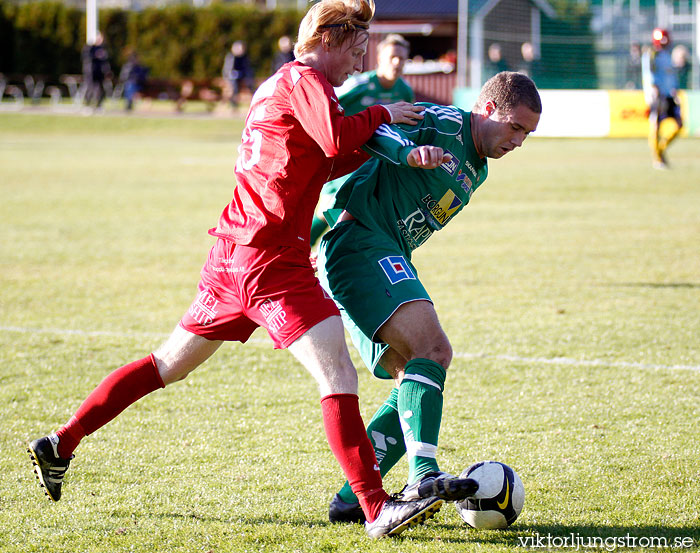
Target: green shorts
369 278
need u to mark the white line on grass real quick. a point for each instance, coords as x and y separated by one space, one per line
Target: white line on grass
463 355
111 333
574 362
78 332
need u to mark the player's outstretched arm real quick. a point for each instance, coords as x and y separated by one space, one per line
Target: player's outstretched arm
404 112
427 157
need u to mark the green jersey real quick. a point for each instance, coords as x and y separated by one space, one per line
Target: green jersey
409 204
364 90
360 92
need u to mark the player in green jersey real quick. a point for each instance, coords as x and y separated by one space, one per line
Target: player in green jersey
383 85
381 214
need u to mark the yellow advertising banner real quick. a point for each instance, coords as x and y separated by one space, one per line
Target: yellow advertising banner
629 115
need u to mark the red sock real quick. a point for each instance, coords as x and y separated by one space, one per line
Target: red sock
349 443
115 393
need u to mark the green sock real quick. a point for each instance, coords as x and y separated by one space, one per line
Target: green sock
384 431
318 227
420 413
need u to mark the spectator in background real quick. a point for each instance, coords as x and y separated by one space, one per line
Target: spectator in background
495 63
529 65
284 53
681 61
96 69
633 72
133 78
238 72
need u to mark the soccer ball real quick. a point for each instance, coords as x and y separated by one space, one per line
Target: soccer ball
500 497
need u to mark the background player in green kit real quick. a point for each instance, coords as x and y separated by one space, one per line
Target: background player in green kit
382 213
383 85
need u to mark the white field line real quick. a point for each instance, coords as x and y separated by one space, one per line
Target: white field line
110 333
462 355
72 332
574 362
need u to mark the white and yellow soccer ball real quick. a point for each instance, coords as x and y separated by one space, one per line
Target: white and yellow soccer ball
500 497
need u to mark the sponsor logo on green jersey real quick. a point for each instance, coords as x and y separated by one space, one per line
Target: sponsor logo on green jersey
443 209
414 228
450 166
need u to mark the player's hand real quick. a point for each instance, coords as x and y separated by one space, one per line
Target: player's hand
314 261
405 112
428 157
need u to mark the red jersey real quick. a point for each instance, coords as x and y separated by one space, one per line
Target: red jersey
296 138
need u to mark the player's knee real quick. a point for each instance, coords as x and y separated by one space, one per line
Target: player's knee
169 371
440 352
342 379
348 369
447 354
338 376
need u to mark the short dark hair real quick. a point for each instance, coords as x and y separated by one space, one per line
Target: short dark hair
394 40
507 90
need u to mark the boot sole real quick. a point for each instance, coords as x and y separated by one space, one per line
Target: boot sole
37 473
418 518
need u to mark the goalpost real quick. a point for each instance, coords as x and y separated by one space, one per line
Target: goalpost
91 17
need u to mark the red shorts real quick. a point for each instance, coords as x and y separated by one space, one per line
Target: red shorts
243 288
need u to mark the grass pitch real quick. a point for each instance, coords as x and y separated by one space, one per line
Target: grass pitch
570 289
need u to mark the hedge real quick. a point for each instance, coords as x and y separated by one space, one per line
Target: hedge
177 41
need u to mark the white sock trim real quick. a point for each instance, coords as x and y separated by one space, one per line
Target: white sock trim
421 449
423 380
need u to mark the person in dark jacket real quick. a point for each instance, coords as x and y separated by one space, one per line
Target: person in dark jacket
238 71
96 69
284 53
133 78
